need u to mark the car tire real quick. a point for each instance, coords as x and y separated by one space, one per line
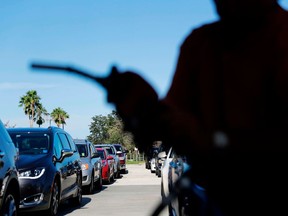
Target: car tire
162 192
112 179
55 200
99 183
119 173
91 186
9 207
77 201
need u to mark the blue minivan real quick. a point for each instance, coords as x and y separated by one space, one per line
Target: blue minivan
49 168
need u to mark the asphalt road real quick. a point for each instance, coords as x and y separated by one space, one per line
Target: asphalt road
136 193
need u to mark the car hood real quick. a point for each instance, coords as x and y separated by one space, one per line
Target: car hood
85 160
27 161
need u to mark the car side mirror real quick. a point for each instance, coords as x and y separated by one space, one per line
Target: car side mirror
66 153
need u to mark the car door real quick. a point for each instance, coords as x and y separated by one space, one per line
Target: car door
110 152
117 161
96 161
9 185
68 166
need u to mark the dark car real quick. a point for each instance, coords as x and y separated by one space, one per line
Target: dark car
91 165
153 151
159 159
49 168
192 198
9 184
121 152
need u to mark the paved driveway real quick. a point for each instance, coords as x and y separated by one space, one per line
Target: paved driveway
137 193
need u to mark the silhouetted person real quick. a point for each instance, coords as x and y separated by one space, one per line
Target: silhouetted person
227 108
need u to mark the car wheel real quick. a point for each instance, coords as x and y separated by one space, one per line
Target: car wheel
112 179
115 175
162 192
76 201
99 182
91 185
54 203
119 173
10 206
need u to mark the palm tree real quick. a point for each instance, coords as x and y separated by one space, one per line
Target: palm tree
59 116
30 102
40 112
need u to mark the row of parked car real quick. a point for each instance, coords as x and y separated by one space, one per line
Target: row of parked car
42 167
171 167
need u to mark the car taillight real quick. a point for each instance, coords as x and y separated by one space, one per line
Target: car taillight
122 161
120 155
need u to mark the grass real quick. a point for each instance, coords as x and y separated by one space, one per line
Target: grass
134 162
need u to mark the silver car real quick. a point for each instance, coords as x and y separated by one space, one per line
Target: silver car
91 165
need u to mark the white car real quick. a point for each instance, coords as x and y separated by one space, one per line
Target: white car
164 174
153 165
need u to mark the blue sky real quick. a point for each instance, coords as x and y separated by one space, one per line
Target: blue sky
143 36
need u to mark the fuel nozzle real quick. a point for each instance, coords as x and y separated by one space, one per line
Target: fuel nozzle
103 81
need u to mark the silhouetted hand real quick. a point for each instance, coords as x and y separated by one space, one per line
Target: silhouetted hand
135 101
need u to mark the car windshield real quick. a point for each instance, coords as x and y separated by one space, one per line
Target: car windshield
101 154
118 148
83 150
31 143
109 150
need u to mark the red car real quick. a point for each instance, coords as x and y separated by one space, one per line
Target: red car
107 165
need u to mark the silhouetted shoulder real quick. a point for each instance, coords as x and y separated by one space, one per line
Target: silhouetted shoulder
201 34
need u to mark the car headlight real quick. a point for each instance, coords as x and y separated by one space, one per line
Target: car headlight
32 173
85 166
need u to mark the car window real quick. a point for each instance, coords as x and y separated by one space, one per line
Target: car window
101 154
113 149
31 143
82 149
64 141
109 150
72 143
57 148
118 148
92 149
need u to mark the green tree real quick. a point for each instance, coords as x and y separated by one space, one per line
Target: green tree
40 113
30 102
99 129
109 129
116 134
59 116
